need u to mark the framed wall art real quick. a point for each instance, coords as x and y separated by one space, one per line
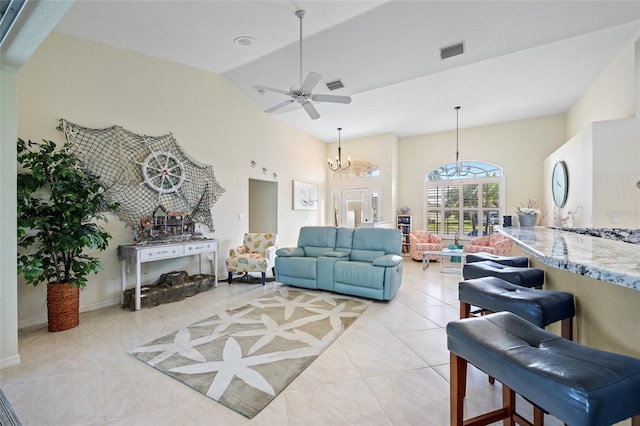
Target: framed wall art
305 196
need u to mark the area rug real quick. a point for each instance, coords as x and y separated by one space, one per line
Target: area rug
244 357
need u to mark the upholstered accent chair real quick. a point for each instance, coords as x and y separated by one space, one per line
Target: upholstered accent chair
421 241
496 244
256 254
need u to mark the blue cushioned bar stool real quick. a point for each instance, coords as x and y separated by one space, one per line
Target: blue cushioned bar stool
539 307
518 261
579 385
526 277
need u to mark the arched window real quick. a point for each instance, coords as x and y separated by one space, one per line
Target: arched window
359 169
464 199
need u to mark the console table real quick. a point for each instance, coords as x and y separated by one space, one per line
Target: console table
142 253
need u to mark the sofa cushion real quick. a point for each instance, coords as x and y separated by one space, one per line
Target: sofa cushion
317 236
365 255
290 252
387 241
311 251
361 274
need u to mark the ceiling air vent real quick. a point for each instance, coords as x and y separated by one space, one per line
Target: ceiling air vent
335 85
449 51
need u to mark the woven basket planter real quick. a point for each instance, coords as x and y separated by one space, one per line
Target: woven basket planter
63 306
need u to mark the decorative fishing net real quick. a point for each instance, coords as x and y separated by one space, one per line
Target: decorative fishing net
143 172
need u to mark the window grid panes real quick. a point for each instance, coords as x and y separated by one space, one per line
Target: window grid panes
466 207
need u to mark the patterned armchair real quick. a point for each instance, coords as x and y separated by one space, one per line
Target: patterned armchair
420 241
496 244
256 254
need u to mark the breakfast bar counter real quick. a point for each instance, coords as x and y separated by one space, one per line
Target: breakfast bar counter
603 259
602 274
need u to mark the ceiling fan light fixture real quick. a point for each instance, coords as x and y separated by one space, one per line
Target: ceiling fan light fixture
302 91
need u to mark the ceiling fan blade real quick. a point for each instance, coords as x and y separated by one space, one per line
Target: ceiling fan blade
313 113
280 105
271 89
310 82
332 98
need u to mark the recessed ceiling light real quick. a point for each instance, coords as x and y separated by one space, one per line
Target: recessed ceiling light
243 41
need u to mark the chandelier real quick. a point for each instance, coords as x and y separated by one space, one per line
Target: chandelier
340 166
458 170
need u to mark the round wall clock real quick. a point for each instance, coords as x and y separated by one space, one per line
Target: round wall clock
559 184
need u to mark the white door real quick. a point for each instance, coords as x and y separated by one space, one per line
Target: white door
355 207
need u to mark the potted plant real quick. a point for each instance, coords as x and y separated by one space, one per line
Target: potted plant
527 215
58 205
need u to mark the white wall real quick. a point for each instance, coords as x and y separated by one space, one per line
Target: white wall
610 96
8 289
98 86
519 147
603 152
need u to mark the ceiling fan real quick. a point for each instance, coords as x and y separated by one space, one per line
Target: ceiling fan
301 92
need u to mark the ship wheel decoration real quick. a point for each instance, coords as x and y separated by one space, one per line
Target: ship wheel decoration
163 172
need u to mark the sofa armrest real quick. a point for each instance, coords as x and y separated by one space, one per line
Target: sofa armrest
338 254
236 251
387 260
290 252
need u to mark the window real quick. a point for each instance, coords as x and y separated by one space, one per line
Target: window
359 169
467 200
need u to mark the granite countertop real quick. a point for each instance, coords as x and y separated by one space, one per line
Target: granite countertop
604 259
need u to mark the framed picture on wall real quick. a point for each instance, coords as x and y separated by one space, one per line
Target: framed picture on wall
305 196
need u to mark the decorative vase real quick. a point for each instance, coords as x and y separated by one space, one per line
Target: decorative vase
63 306
527 220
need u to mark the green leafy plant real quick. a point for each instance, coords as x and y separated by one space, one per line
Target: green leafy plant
58 205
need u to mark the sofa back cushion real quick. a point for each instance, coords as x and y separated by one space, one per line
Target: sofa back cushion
344 240
369 242
316 240
365 255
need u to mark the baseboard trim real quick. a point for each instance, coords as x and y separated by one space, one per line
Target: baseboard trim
9 361
42 320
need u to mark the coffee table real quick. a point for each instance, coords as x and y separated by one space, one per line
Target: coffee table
444 253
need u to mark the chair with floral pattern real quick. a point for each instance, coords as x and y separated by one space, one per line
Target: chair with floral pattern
495 243
256 254
421 241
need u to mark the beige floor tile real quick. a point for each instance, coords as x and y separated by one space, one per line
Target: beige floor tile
345 403
377 372
417 397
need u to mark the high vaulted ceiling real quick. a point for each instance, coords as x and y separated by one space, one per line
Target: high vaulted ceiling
522 59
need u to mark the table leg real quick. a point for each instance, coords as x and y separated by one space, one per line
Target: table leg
215 268
425 261
137 284
123 279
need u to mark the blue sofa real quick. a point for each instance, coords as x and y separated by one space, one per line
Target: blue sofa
362 262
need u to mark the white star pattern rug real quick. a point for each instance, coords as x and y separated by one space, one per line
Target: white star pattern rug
244 357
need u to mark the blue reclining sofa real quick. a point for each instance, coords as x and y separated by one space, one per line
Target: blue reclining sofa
362 262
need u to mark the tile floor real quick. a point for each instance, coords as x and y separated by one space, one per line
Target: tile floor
389 368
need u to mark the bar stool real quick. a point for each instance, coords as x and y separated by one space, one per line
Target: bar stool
518 261
577 384
539 307
527 277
